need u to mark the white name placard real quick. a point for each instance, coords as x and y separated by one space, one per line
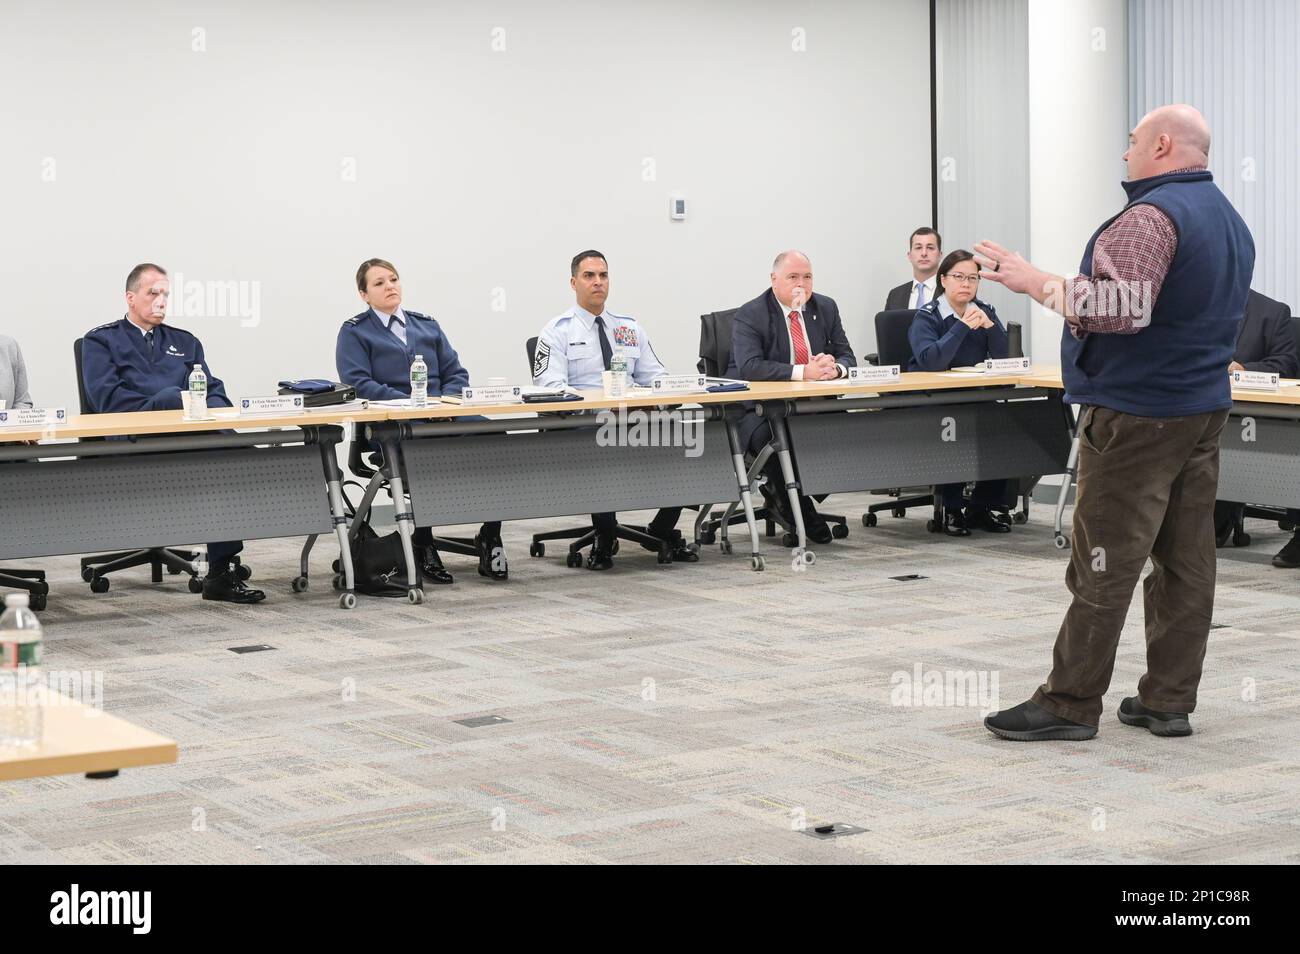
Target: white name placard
493 394
1007 365
1256 380
875 374
33 416
678 383
271 404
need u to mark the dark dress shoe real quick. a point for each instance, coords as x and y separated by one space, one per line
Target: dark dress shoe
678 548
431 567
986 520
1029 722
227 587
819 532
1288 558
954 524
1132 712
492 558
600 558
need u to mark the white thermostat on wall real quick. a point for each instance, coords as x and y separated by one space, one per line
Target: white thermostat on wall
677 207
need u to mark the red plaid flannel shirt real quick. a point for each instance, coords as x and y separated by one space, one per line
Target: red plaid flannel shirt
1130 260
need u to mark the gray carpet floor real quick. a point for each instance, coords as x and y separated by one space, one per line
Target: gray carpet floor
687 713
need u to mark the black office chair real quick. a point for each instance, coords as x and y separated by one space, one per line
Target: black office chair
894 347
715 358
586 536
33 581
95 569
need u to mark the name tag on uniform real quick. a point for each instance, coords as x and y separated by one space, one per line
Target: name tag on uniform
1006 365
1256 380
875 374
273 404
678 383
33 416
492 394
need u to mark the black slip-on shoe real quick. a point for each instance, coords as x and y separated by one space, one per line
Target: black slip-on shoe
431 567
1029 722
1167 724
1288 558
986 520
492 558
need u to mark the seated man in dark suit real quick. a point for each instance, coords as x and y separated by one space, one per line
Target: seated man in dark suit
788 333
1266 342
924 249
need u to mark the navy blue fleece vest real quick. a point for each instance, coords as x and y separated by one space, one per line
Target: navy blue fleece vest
1178 364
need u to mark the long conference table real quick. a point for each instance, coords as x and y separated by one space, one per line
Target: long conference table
150 479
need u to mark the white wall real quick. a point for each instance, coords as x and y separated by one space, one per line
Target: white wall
1079 132
476 170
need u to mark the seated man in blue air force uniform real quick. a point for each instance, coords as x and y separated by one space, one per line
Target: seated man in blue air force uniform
374 353
788 333
142 364
957 330
573 350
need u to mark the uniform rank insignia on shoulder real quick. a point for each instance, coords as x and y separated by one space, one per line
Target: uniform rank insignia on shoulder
625 335
105 326
354 320
541 358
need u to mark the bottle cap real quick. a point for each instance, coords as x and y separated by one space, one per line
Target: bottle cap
17 599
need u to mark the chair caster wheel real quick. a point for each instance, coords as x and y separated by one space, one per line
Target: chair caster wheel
299 584
243 572
87 574
756 563
1020 517
789 540
415 596
99 584
898 512
665 554
1241 539
869 519
725 547
336 581
335 567
38 602
347 600
537 550
932 525
1060 541
195 585
709 537
573 560
839 531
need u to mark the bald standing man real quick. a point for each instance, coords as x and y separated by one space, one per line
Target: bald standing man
1151 324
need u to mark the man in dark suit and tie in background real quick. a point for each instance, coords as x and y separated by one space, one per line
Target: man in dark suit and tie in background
924 249
1266 342
788 333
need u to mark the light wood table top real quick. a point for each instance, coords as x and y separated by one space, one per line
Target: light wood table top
79 739
1289 394
173 422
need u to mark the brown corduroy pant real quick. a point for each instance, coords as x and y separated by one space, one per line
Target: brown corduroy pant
1146 488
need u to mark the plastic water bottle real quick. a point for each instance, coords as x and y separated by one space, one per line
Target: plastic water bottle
198 410
21 707
617 372
419 382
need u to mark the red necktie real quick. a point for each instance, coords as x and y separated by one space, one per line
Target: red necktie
796 336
